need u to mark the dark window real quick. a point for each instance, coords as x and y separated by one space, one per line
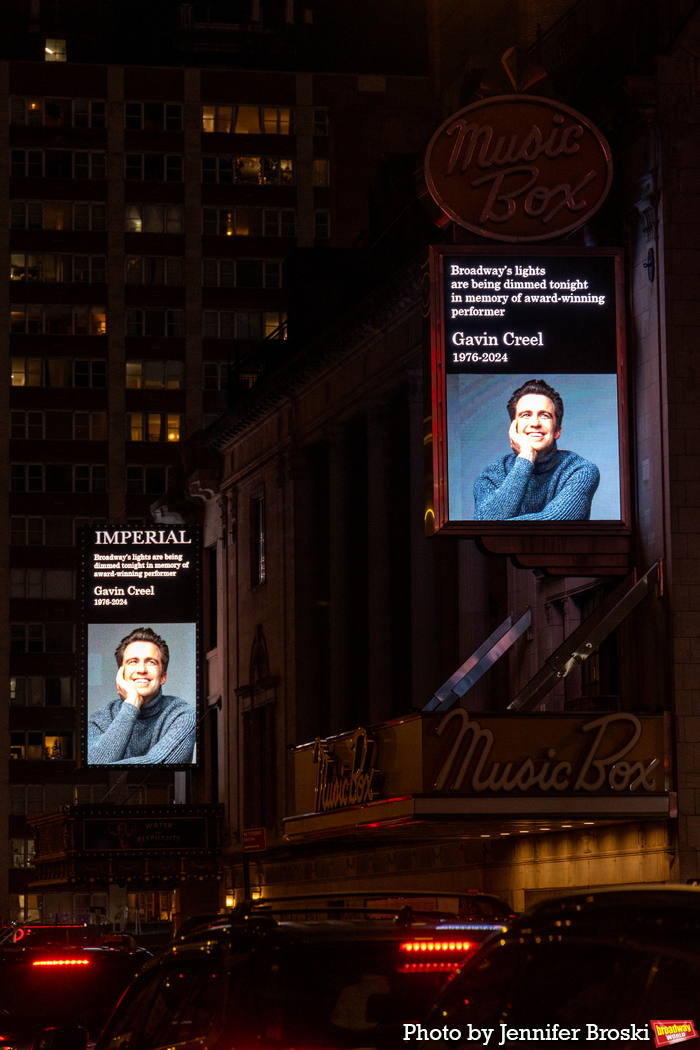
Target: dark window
259 743
58 163
132 115
212 604
59 477
176 1004
257 544
59 637
152 166
249 273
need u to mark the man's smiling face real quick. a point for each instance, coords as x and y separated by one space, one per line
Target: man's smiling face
536 419
143 668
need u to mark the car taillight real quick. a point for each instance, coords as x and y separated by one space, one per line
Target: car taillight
444 966
434 956
61 962
436 946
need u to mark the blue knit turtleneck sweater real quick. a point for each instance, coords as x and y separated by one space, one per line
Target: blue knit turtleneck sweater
160 731
557 487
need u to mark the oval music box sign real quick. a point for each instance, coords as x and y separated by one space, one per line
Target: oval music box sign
518 168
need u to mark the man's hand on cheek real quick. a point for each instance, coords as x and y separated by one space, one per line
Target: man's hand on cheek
127 690
520 443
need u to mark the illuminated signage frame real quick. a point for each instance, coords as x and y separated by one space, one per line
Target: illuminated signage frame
145 593
439 334
517 168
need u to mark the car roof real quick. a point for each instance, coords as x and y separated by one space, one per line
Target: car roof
633 895
641 916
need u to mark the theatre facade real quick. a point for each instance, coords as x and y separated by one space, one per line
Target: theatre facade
409 699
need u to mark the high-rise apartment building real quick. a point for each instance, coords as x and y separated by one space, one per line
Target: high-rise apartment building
152 212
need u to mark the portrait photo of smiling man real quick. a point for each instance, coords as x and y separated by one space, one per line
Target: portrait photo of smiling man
143 724
514 454
536 480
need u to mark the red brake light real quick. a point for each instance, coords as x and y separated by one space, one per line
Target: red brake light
429 967
61 962
436 946
438 950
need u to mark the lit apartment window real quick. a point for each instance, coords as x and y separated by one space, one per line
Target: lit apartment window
155 375
41 745
243 324
57 112
27 111
22 853
54 319
248 120
153 116
249 222
27 371
153 426
81 269
154 269
321 177
153 218
217 118
134 426
57 215
54 50
250 171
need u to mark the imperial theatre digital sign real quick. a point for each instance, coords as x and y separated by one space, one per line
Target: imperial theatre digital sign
529 391
140 670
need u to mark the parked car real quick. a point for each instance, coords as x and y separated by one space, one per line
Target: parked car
298 982
61 985
609 958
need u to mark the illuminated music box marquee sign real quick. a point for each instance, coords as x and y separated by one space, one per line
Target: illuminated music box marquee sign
518 168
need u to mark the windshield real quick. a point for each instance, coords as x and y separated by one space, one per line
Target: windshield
334 994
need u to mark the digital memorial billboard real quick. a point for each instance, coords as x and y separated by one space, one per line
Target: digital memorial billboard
140 672
529 389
